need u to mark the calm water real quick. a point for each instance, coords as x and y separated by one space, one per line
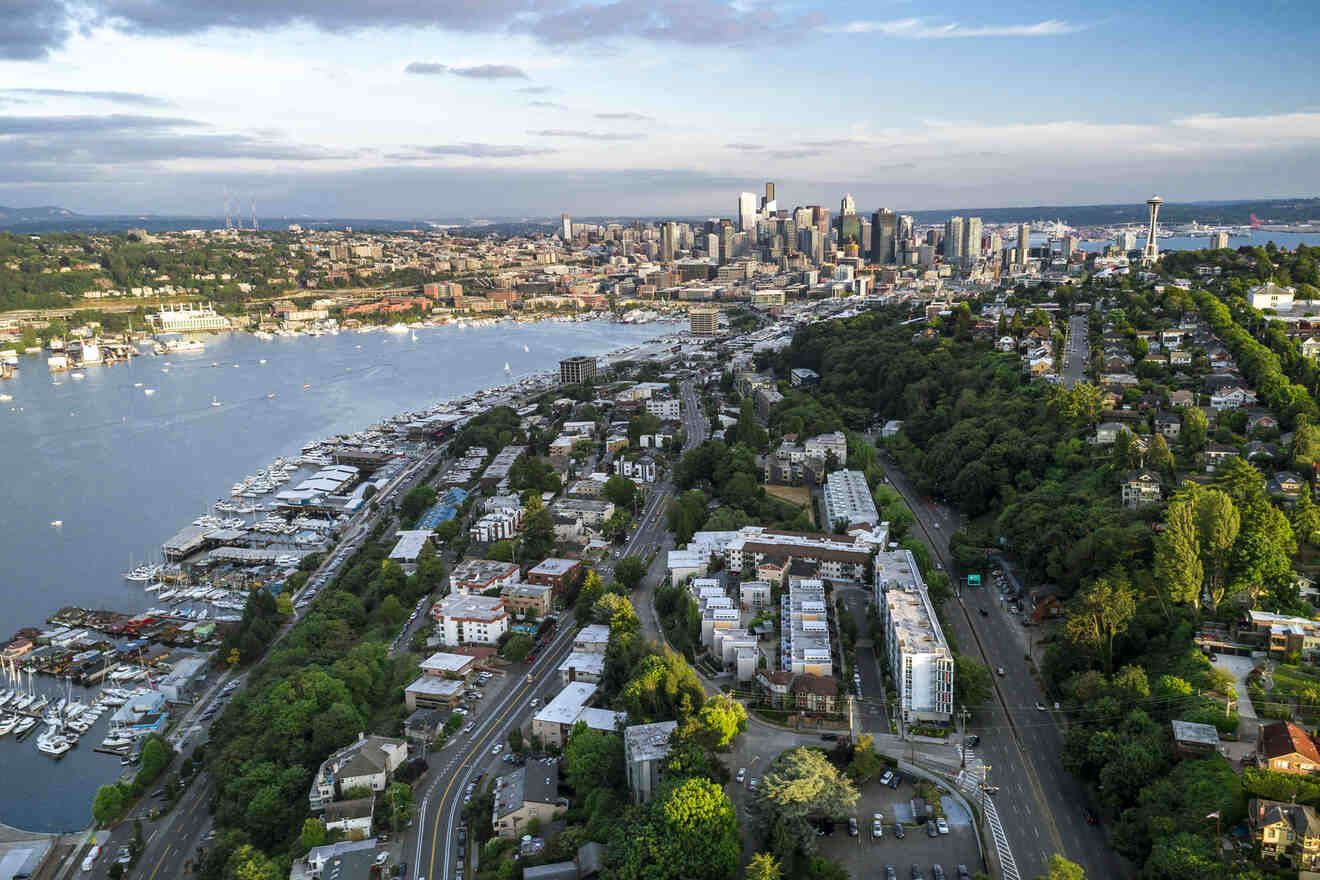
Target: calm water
1286 240
124 470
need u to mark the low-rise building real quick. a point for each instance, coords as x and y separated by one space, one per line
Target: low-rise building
805 639
848 500
367 762
412 544
522 598
350 816
1284 747
1140 488
587 666
1285 830
553 723
527 793
1193 738
465 619
645 747
594 638
479 575
754 595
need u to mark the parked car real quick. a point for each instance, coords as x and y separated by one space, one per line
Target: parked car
937 872
1040 707
829 737
898 830
962 873
942 825
984 613
889 873
916 871
887 778
852 826
973 740
742 775
931 829
751 784
1000 670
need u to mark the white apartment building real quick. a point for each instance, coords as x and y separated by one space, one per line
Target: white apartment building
664 408
919 656
805 636
826 443
470 619
848 498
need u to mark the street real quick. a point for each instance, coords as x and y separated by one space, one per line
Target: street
1039 802
1077 352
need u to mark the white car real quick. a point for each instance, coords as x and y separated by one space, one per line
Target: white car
497 748
742 774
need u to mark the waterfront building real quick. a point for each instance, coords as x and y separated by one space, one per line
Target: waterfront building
188 318
577 370
704 320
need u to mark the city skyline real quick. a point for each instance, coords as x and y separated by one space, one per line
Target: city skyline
496 109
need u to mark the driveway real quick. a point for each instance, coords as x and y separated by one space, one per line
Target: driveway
1249 726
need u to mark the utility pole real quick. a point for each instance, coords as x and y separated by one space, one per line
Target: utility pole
962 734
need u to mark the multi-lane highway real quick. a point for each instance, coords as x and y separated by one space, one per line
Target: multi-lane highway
1039 803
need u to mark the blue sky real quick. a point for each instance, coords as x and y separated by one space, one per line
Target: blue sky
440 108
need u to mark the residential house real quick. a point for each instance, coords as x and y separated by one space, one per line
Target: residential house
527 793
1141 488
817 694
1230 397
1182 398
1271 296
1287 484
1107 432
1169 426
1311 348
1261 418
1216 455
1284 747
350 816
1290 831
1046 602
368 761
1192 738
1180 358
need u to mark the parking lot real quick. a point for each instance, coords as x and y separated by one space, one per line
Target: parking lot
866 856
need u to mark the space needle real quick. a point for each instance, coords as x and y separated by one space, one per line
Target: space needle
1151 254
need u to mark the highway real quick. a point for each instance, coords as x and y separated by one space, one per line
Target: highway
1039 802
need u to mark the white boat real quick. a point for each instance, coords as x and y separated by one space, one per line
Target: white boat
149 391
57 523
214 402
24 725
506 368
7 724
77 375
397 328
6 397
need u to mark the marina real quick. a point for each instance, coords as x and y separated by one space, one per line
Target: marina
145 520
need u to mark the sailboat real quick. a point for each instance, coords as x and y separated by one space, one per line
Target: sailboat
525 348
214 402
507 370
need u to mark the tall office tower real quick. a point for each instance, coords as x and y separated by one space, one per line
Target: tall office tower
996 245
747 211
1126 241
1023 244
926 255
704 320
953 240
864 236
668 234
565 227
971 247
713 246
726 243
769 192
802 218
1069 246
847 205
907 225
884 226
788 228
1218 241
822 219
814 245
850 229
1151 254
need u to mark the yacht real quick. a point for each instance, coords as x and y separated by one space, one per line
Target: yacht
24 725
41 703
215 402
53 744
116 741
24 701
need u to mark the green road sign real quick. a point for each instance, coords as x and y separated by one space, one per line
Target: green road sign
973 580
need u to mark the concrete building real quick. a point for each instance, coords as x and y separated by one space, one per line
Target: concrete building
554 573
918 654
594 638
848 499
704 320
498 469
410 545
470 619
577 370
350 816
805 632
522 598
554 722
587 666
645 746
479 575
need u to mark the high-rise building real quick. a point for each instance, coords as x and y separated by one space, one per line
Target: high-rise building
668 235
953 240
565 227
996 245
769 192
1126 241
746 212
726 243
864 235
1068 246
577 370
713 246
884 227
971 247
704 320
1151 254
1023 244
802 218
1218 241
847 206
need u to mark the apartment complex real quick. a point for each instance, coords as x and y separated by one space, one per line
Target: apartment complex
480 575
704 320
919 657
804 642
848 500
467 619
577 370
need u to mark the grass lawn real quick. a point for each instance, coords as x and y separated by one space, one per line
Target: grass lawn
798 496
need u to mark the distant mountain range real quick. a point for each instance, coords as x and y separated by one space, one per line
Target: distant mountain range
37 214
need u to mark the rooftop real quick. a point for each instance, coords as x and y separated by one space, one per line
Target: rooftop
410 543
442 661
567 704
595 634
554 567
1193 732
477 608
647 742
588 662
480 574
536 782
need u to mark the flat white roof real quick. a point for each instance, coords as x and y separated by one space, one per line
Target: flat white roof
590 662
435 686
443 661
596 634
567 704
410 543
554 567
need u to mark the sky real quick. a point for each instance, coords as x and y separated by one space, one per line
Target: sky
508 108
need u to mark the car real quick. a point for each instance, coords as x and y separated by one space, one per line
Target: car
984 613
1000 670
942 825
1040 707
889 873
962 873
829 737
889 775
471 786
937 872
742 775
931 829
1091 818
536 703
852 826
125 855
751 784
894 783
898 830
916 871
973 740
495 749
467 798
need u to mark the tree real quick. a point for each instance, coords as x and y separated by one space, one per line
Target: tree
592 589
538 539
592 759
972 684
108 803
1159 458
1195 427
717 723
629 571
616 612
866 764
800 785
1126 454
764 866
1305 519
517 648
1178 553
1060 868
621 491
690 830
1305 444
313 833
415 503
1099 615
399 800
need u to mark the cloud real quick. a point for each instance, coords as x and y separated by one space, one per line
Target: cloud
1279 125
32 28
484 151
481 71
794 154
537 90
630 117
584 135
426 68
112 97
547 104
746 148
924 29
690 22
84 125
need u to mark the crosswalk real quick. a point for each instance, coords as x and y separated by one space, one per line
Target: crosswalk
969 782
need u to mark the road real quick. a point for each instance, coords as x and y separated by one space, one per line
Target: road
1077 354
1039 802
